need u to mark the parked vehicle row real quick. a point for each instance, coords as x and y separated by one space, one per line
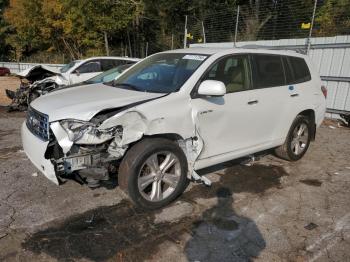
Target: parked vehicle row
39 80
174 113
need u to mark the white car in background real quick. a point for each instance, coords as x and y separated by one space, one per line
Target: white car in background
174 113
41 79
74 72
80 70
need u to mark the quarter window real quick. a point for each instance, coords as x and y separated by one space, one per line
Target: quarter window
233 71
300 70
268 71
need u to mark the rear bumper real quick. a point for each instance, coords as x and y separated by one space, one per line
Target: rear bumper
35 151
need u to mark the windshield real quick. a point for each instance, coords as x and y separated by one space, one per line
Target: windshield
66 67
109 75
160 73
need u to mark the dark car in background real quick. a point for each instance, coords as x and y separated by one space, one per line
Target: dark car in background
4 71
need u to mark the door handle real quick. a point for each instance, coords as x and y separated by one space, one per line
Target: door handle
205 112
294 95
253 102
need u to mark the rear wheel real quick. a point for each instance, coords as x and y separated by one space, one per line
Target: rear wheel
153 173
298 140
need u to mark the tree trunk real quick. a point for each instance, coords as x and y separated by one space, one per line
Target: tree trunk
106 43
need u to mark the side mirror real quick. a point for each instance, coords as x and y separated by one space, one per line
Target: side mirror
77 72
212 88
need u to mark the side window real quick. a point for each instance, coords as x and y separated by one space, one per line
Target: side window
233 71
90 67
288 70
118 62
107 64
300 69
268 71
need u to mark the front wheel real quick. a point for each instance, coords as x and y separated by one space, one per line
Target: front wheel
298 140
153 172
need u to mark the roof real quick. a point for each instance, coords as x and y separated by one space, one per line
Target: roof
223 51
112 57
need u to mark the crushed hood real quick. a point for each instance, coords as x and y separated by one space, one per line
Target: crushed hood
83 102
38 72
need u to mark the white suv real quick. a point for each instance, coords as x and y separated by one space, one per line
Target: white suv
174 113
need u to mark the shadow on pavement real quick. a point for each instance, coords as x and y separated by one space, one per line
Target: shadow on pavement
124 233
223 235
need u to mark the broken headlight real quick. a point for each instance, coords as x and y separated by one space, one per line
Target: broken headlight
87 132
76 129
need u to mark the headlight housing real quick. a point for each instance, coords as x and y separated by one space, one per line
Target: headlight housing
88 133
76 129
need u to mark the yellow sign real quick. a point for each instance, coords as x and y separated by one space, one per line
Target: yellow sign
200 40
189 36
305 25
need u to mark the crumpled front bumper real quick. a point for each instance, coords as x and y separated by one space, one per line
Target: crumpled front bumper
35 151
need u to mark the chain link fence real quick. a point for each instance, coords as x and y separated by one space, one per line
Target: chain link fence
252 20
270 20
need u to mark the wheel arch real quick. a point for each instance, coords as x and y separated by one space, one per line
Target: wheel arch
170 136
310 113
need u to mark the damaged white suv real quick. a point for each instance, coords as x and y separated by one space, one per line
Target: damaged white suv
176 112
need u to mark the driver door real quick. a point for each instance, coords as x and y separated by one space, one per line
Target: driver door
228 123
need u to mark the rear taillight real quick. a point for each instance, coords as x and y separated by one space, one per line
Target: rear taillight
324 91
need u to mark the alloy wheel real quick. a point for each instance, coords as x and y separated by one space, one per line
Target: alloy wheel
159 176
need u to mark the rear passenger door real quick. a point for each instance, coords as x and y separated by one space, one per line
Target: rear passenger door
301 91
272 98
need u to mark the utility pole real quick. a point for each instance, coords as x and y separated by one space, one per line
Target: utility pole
204 38
236 27
146 49
311 27
185 37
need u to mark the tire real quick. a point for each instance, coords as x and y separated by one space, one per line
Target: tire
295 146
144 160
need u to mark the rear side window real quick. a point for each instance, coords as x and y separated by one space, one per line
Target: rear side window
288 70
268 71
107 64
300 69
89 67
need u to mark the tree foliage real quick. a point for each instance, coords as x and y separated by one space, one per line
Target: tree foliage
77 28
333 18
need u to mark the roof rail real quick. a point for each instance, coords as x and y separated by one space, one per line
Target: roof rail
301 50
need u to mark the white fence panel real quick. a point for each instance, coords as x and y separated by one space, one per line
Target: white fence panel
17 67
331 56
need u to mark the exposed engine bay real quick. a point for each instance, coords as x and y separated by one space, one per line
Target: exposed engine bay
88 151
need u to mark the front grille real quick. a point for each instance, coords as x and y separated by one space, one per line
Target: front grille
38 124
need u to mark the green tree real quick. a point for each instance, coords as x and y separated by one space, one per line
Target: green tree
4 47
333 18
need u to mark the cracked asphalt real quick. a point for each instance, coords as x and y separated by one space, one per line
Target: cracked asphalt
266 210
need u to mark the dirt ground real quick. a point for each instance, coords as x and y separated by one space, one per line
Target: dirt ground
7 82
267 210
